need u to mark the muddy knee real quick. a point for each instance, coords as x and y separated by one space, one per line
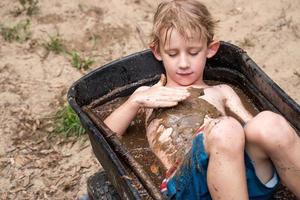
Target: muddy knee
269 130
227 136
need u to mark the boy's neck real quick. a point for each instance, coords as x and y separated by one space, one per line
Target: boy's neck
199 84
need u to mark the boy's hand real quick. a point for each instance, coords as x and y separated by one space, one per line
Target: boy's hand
159 96
209 123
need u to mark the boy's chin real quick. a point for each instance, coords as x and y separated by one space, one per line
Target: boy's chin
182 83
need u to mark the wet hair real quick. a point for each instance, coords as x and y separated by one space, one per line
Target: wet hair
188 17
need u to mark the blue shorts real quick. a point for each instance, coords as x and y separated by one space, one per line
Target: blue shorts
190 182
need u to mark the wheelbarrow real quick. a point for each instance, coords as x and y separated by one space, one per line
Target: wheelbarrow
124 177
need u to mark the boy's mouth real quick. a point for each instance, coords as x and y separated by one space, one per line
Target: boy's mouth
184 74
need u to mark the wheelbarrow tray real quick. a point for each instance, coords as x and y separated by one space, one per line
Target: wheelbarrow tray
230 65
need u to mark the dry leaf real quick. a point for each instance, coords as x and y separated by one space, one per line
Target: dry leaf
85 165
27 181
46 151
154 169
20 161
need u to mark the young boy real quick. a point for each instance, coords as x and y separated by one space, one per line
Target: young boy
226 160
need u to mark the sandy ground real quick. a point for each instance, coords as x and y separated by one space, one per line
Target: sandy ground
33 86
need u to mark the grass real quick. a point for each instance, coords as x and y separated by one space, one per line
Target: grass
94 39
80 63
246 43
30 7
67 123
55 44
20 32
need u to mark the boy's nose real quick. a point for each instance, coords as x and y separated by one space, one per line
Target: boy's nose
184 62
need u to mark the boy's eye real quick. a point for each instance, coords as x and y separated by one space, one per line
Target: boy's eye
194 53
172 54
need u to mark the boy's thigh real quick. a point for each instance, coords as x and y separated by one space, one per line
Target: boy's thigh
262 164
258 188
228 133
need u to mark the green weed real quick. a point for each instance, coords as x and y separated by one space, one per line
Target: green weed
30 7
80 63
67 123
55 45
19 32
246 43
94 39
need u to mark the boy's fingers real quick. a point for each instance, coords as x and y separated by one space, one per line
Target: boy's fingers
163 104
157 102
207 124
162 81
161 90
211 124
171 91
166 93
174 97
160 96
207 119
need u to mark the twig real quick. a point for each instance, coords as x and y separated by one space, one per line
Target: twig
141 36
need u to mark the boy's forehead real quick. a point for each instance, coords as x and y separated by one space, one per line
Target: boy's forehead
188 35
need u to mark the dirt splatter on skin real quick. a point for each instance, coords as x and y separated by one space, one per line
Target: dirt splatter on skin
170 130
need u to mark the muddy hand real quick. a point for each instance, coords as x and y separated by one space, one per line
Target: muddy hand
209 123
159 95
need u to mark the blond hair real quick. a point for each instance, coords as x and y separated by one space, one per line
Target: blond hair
186 16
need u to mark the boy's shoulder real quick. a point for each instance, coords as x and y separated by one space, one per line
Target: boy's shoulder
220 87
220 91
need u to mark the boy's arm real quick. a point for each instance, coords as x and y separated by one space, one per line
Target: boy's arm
234 104
119 119
148 97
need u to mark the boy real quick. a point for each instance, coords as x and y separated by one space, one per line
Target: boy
226 161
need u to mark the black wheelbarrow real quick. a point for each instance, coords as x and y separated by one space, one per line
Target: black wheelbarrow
120 78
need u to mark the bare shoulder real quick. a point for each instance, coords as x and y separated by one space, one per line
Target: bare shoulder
233 102
221 93
223 88
220 88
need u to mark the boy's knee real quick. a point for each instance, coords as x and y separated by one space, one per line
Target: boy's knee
269 130
227 136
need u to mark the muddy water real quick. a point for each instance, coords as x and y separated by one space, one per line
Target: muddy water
135 137
135 140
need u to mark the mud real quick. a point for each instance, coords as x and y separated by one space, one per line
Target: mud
136 141
171 130
135 138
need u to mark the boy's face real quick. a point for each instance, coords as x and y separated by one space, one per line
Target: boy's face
184 60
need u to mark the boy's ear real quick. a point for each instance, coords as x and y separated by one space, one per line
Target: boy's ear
156 53
213 48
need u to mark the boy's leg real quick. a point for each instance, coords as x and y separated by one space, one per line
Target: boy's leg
224 144
269 137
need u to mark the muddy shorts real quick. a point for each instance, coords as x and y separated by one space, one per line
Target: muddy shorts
190 180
